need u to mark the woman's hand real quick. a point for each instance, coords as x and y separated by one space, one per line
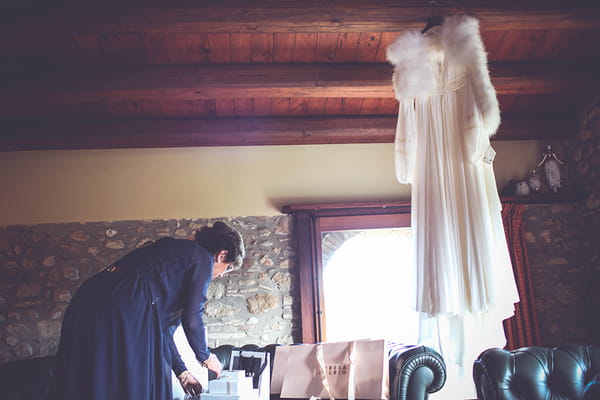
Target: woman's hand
189 383
213 364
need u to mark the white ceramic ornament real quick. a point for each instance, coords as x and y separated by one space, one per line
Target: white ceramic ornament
522 189
534 181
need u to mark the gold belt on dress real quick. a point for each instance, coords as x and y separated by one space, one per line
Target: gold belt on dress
112 268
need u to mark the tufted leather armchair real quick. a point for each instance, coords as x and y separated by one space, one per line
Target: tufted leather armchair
415 371
569 372
28 379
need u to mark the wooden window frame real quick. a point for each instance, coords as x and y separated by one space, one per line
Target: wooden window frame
310 221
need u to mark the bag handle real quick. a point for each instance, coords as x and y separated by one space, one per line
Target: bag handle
321 361
351 372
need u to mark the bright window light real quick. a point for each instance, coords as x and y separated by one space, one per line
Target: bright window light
369 288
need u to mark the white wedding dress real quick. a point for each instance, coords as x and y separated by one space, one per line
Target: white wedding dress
448 110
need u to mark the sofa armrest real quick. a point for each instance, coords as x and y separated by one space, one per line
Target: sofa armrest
415 371
592 389
27 379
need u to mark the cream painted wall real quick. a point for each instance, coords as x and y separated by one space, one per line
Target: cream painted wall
110 185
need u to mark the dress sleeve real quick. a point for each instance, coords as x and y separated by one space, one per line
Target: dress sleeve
483 111
193 303
484 92
404 142
177 363
464 48
413 78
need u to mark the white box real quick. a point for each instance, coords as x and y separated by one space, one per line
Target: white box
216 396
218 386
252 395
234 383
240 386
234 375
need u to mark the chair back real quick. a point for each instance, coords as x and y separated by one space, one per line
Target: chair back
537 373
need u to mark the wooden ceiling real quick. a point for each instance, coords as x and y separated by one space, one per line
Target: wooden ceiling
109 74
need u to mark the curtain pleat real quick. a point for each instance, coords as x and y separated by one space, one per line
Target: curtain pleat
521 329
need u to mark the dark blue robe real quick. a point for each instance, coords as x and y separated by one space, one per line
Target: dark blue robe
115 342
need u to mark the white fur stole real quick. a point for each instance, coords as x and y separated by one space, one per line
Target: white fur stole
461 43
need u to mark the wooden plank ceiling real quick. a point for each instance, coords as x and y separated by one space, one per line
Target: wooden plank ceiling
102 74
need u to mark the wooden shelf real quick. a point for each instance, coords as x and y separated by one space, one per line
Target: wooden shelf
544 198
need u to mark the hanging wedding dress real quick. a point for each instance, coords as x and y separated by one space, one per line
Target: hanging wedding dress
448 110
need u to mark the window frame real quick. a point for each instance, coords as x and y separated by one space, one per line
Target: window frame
310 221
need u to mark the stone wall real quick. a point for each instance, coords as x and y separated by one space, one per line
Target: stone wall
41 266
564 244
563 281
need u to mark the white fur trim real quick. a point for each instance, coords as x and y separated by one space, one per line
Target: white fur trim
413 76
463 45
459 38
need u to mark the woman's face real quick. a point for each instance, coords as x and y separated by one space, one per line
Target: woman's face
221 266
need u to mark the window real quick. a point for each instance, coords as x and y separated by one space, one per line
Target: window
368 276
311 222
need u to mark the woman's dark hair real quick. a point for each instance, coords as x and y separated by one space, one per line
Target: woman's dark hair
219 237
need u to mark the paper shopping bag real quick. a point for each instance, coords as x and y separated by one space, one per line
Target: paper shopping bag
348 370
372 369
312 371
280 367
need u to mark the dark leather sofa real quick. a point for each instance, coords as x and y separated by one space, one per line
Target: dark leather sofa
569 372
415 371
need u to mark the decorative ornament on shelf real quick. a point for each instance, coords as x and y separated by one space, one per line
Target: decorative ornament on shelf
534 181
552 169
522 189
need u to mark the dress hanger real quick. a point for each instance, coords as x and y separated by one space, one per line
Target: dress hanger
431 22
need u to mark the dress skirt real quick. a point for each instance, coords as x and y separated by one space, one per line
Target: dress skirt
113 324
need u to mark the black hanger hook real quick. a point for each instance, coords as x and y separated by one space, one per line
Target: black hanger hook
431 22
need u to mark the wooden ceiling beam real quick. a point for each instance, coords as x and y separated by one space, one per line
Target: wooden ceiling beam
196 82
543 78
19 135
288 16
202 82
